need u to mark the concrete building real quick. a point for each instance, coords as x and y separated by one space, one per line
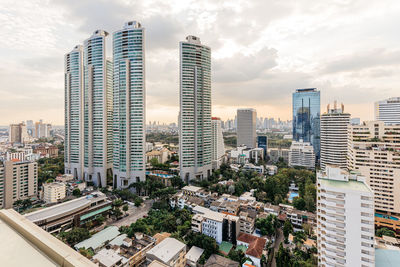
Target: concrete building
193 256
247 221
76 212
345 227
18 181
275 154
25 244
374 151
97 110
253 247
388 111
54 192
46 151
220 226
334 125
302 154
306 117
246 127
17 133
129 127
42 130
195 133
162 155
262 142
169 251
218 146
73 142
243 155
218 261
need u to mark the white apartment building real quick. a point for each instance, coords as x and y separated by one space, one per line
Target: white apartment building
345 224
170 252
129 162
97 109
388 111
18 180
195 133
374 150
218 146
53 192
302 154
213 224
73 143
334 136
246 127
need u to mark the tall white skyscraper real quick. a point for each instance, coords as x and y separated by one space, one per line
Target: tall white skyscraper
73 143
129 134
246 127
388 111
195 110
345 219
334 125
97 110
218 147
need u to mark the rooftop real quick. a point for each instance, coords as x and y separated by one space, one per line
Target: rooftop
63 208
194 254
167 249
99 239
354 185
26 244
387 258
256 244
219 261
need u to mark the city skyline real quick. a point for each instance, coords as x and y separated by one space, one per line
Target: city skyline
363 61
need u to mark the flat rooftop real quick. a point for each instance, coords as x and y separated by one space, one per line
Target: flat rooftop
351 184
167 249
62 208
387 258
25 244
99 239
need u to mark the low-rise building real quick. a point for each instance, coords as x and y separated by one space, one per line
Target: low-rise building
193 256
247 221
46 151
254 247
276 153
219 261
75 212
271 169
53 192
170 252
253 168
99 240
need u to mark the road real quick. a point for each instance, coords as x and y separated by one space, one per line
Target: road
135 213
278 241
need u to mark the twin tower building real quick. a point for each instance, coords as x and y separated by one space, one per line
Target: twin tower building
105 109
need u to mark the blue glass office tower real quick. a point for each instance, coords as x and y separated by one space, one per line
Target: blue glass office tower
262 141
306 117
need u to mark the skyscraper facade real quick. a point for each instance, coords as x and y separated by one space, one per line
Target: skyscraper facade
262 142
97 110
334 125
73 143
218 147
129 136
195 110
306 117
17 133
388 111
246 127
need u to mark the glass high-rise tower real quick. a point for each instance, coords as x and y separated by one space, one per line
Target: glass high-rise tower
195 110
73 152
306 117
97 110
129 136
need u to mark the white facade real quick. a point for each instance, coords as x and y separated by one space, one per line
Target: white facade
97 119
388 111
53 192
218 146
195 137
246 127
302 154
345 228
73 143
334 137
129 130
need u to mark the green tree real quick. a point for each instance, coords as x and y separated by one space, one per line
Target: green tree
75 236
238 256
385 231
117 212
76 192
154 162
287 229
202 241
283 258
125 208
299 203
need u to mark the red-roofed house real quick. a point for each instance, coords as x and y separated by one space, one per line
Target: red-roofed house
255 247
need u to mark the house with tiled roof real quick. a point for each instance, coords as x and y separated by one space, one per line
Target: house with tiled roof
255 247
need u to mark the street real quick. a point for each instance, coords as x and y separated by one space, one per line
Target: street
278 241
134 214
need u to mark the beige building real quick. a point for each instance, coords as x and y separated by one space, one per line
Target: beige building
17 133
26 244
170 252
53 192
374 150
162 155
18 180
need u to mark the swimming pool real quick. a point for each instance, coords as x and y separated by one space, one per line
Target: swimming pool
293 195
386 217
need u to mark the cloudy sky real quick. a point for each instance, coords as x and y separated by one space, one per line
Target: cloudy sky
261 49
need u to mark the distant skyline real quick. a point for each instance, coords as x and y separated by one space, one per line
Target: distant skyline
261 52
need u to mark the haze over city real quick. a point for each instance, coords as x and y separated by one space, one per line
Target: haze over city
261 52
